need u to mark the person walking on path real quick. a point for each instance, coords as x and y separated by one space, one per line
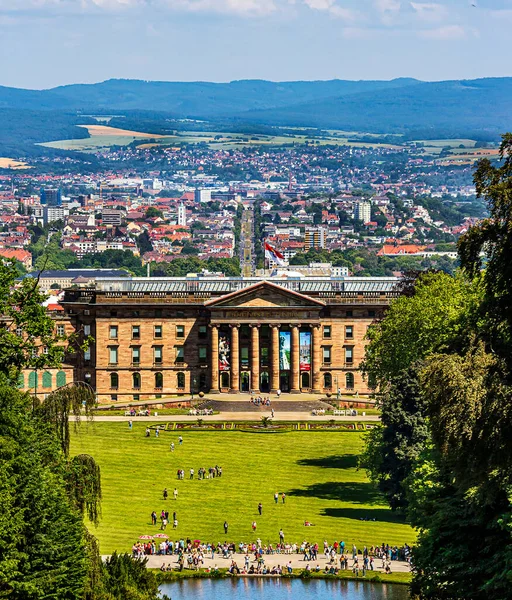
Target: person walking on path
165 494
175 493
283 497
278 394
260 508
276 497
225 526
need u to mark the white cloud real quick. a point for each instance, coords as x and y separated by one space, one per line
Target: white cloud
240 7
446 33
333 8
430 11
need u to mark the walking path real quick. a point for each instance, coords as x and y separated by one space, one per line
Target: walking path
155 561
236 416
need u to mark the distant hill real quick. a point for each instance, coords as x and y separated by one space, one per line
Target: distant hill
479 109
201 99
451 107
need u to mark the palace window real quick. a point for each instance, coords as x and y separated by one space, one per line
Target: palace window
135 332
19 331
87 330
61 379
32 380
265 332
327 332
180 354
136 313
158 355
113 313
47 379
135 355
114 332
328 381
158 313
349 355
114 381
203 332
244 355
136 397
181 381
349 314
112 354
245 332
202 354
60 330
87 354
113 397
349 381
202 381
264 356
180 331
136 381
159 381
21 380
158 331
371 314
326 355
349 332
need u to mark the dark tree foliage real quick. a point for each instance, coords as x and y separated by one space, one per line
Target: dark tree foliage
83 483
493 237
393 448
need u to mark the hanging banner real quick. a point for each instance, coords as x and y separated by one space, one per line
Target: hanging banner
305 351
224 353
285 338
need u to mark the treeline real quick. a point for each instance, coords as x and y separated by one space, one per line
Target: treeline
364 262
441 363
46 493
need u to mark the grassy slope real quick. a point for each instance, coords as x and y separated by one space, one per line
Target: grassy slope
316 470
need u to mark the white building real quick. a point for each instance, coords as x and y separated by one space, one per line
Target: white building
182 215
202 196
362 211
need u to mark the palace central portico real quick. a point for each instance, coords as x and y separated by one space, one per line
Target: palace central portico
256 337
155 338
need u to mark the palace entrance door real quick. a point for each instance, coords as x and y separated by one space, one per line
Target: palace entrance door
245 380
265 382
284 380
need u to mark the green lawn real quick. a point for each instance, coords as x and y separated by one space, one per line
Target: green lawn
316 470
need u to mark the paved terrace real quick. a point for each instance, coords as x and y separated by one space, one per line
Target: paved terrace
155 562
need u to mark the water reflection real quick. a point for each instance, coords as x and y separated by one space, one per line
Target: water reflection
259 588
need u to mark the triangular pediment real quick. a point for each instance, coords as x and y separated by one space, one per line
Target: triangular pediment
265 295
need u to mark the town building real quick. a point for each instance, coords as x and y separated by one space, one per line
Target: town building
314 237
363 211
154 337
202 195
66 278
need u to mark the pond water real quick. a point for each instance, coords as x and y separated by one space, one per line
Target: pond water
281 589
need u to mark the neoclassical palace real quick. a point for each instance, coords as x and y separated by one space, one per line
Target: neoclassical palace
153 338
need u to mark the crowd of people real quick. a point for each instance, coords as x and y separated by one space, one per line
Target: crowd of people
260 400
336 554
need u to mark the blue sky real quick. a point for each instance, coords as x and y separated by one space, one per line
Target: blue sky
44 43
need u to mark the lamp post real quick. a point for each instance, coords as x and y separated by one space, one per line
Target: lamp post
194 383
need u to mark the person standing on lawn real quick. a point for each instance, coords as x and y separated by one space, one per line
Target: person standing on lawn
260 508
225 526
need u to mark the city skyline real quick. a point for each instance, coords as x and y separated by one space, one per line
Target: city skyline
50 43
